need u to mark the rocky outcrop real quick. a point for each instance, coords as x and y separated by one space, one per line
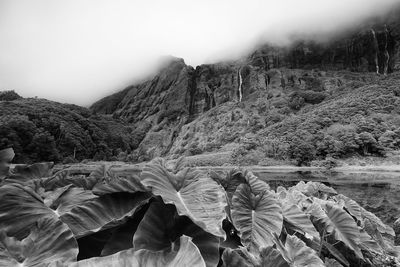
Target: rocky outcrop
179 94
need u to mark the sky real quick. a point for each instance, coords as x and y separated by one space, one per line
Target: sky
77 51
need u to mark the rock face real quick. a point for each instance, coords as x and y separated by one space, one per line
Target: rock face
179 94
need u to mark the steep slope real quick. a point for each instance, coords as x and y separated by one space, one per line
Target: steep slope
215 107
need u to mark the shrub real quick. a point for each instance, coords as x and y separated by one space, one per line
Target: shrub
125 221
9 95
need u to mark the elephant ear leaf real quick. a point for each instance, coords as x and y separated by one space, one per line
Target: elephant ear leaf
298 220
343 227
65 198
103 212
256 217
25 173
20 209
49 241
160 227
297 253
271 257
184 253
130 184
192 192
6 156
234 257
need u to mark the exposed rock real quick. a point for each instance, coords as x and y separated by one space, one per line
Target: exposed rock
288 77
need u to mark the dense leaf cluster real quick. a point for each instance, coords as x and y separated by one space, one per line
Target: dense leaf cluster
176 216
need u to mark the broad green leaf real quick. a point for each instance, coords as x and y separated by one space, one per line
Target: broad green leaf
6 156
256 217
314 188
117 184
271 257
102 213
65 198
297 254
352 207
343 227
192 192
381 227
236 257
236 177
49 241
34 171
63 178
184 253
336 254
121 237
298 220
20 209
332 263
161 226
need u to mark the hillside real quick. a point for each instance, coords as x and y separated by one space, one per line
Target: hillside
44 130
309 101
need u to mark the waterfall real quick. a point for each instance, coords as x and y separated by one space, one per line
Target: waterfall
375 41
387 55
240 85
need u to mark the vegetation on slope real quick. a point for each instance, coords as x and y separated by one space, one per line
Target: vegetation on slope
176 216
360 117
42 130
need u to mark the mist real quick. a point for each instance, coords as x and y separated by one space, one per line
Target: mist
78 51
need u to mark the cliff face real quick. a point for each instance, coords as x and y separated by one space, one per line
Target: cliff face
180 94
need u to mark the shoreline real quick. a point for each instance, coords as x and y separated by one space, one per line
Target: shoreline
127 167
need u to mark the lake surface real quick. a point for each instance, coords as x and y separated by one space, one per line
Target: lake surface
376 192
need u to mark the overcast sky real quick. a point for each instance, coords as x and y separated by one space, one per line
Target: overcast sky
77 51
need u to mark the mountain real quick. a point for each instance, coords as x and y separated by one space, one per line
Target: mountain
310 100
313 100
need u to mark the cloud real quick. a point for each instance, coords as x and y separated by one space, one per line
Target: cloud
80 50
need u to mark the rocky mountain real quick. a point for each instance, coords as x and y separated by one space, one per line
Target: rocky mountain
214 107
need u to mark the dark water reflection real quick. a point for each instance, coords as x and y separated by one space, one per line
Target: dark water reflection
378 193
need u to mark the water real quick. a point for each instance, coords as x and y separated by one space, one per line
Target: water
376 192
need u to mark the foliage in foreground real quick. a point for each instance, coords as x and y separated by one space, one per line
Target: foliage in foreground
180 217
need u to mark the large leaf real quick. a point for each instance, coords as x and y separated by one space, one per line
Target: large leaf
297 254
121 237
20 209
336 253
192 192
236 257
161 226
25 173
65 198
271 257
102 213
352 207
256 217
63 178
298 220
343 227
130 184
6 156
49 241
185 253
236 177
380 226
314 188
